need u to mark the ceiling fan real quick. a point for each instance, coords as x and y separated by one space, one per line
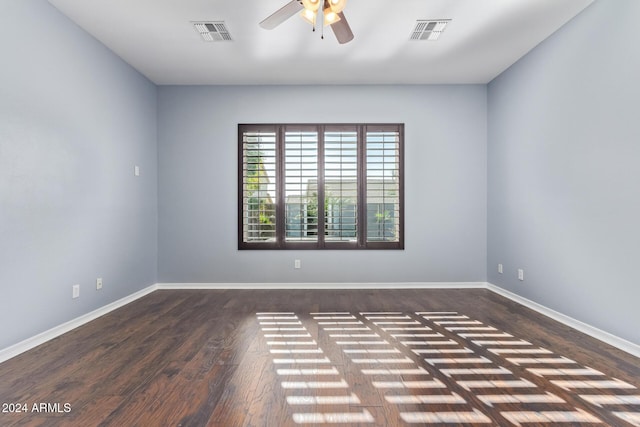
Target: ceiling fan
330 13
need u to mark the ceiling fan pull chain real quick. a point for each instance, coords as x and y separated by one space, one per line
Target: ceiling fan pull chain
321 18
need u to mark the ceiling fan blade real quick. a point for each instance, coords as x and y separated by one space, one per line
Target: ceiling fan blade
282 14
342 30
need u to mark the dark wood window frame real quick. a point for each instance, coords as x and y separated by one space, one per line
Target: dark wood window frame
279 241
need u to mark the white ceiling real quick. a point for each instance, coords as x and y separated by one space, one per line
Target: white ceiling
483 39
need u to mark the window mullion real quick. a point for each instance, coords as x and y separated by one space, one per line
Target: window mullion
321 189
280 183
362 188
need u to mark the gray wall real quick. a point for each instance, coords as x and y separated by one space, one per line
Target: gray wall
564 171
445 182
74 120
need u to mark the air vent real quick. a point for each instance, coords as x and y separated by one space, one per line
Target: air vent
429 30
215 31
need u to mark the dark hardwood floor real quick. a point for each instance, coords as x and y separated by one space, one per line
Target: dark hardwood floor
281 358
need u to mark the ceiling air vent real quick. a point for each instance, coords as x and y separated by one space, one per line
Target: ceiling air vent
215 31
429 30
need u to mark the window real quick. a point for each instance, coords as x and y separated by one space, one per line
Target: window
320 186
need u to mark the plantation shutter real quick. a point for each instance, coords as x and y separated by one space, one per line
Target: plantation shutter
383 183
341 184
301 184
320 186
259 186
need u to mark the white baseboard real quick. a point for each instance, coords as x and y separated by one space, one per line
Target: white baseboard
298 285
29 343
606 337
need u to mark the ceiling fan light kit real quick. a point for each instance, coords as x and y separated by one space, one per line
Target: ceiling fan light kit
312 5
309 16
331 15
330 11
337 5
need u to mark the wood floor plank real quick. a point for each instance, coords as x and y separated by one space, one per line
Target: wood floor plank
196 358
99 335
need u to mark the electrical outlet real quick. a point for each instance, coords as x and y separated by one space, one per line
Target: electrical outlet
500 269
75 292
520 274
99 283
297 264
136 170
